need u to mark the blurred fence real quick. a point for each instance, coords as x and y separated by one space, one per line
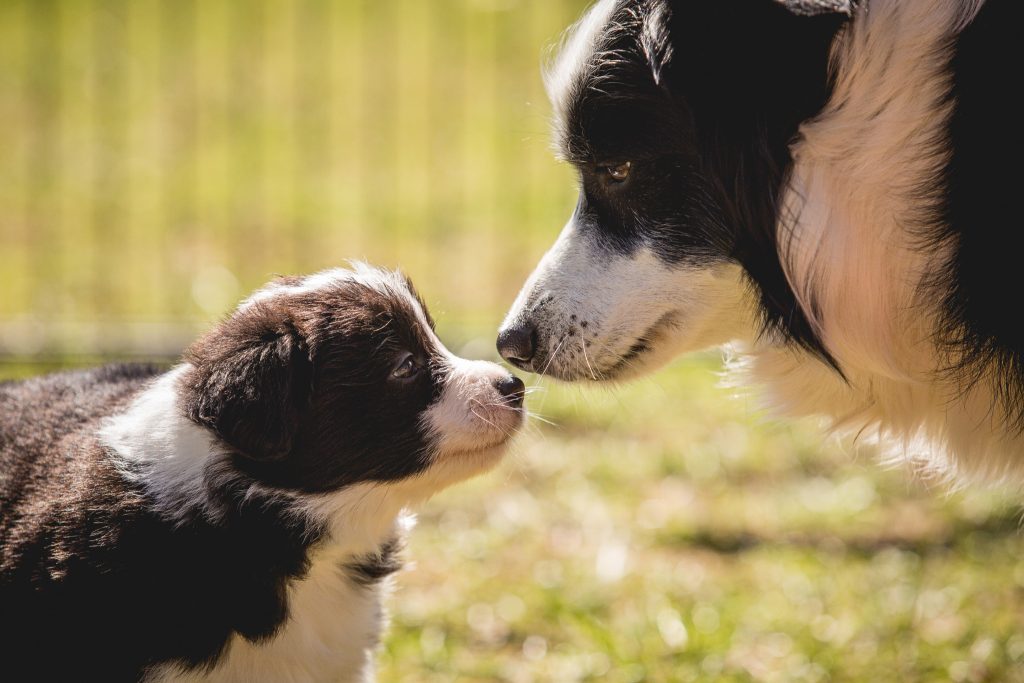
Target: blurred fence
161 158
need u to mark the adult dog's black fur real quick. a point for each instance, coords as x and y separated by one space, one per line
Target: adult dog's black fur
829 185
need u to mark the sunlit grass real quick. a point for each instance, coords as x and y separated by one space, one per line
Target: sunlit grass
665 532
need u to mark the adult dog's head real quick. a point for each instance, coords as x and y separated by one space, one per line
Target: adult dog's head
677 115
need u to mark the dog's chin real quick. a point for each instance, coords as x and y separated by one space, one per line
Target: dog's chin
627 367
494 449
651 358
451 466
456 459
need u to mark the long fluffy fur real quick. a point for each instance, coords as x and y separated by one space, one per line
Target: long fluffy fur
848 159
859 248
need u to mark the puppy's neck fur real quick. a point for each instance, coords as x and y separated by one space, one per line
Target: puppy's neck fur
187 473
155 445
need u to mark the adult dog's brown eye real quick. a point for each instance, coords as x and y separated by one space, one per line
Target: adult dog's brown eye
619 172
406 369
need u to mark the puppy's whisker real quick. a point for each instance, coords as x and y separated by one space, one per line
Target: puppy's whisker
506 401
484 419
504 432
538 418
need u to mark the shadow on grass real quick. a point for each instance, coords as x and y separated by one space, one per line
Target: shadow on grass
960 531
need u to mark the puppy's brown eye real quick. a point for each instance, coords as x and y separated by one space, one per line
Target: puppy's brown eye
619 172
407 368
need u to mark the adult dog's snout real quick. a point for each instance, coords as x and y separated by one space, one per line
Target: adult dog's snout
517 343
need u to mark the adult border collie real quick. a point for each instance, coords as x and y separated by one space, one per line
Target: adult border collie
831 186
232 519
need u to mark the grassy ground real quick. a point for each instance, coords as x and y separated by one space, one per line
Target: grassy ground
665 532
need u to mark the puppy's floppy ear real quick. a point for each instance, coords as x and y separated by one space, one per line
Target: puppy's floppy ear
251 380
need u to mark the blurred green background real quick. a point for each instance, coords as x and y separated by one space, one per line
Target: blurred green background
159 159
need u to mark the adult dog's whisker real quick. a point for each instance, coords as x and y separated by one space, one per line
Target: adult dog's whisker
583 347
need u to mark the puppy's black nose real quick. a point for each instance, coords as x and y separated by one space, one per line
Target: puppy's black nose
512 390
517 343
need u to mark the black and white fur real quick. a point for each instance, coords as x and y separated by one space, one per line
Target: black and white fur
236 518
829 187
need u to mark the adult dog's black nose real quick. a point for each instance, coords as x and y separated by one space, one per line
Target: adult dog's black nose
512 390
517 343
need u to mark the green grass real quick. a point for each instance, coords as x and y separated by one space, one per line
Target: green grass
162 158
666 532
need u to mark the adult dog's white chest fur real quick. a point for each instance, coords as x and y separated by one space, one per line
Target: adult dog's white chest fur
851 242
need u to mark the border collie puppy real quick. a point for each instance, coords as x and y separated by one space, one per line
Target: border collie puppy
233 519
830 185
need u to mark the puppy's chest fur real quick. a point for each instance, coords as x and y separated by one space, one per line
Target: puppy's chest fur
333 626
116 587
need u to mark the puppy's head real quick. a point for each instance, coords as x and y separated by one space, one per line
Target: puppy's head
320 382
677 117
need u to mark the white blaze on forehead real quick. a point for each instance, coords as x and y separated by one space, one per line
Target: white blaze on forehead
361 273
562 77
308 284
654 41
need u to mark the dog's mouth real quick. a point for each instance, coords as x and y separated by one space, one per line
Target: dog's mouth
495 447
643 345
608 365
490 431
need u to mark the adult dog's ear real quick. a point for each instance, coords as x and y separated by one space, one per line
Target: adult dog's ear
251 380
660 19
819 6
